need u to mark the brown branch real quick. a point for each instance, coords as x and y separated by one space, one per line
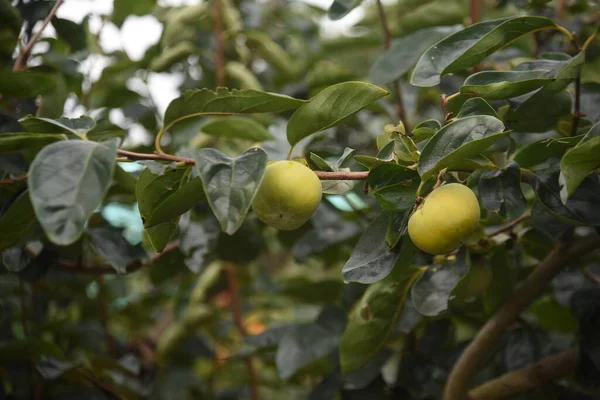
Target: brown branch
24 53
529 289
559 11
591 276
109 270
474 11
535 375
387 33
508 226
237 319
577 108
341 176
218 32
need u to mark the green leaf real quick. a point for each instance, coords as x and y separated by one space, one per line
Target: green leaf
194 103
67 182
19 220
10 142
552 316
125 180
230 183
476 106
503 280
78 126
373 318
125 8
25 84
172 55
270 51
160 235
176 203
424 130
110 244
496 85
472 45
372 259
71 32
404 52
237 127
461 139
340 8
540 112
543 150
329 107
394 186
579 161
500 191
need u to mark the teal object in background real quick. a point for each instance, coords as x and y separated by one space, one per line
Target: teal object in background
127 217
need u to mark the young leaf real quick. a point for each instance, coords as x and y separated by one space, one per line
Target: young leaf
19 220
472 45
371 259
373 319
461 139
230 183
237 127
500 191
194 103
404 53
329 107
579 161
67 182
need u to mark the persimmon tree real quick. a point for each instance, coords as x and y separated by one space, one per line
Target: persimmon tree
136 268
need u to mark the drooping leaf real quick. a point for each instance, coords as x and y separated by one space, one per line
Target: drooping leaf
472 45
67 182
78 126
10 142
373 318
372 259
25 84
500 191
237 127
19 220
230 183
329 107
404 52
461 139
340 8
194 103
579 161
110 244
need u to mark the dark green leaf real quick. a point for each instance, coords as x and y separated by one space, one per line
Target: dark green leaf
19 220
543 151
579 161
552 316
25 84
472 45
404 52
78 126
10 142
71 32
340 8
176 203
503 280
496 85
476 106
230 183
110 244
394 186
194 103
125 8
540 112
461 139
425 130
237 127
500 191
67 182
329 107
374 317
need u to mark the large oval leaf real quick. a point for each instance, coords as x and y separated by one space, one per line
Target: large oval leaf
237 127
194 103
329 107
404 53
230 183
457 141
67 182
472 45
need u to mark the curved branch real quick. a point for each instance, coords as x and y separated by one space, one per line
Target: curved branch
533 286
535 375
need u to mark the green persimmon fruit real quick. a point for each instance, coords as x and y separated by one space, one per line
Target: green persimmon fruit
444 219
288 195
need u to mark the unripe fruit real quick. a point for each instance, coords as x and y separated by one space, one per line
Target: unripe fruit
288 195
445 218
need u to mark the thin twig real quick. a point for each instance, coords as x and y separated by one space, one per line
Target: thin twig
237 319
529 289
24 53
474 15
109 270
547 370
509 226
577 111
218 32
387 33
559 11
591 276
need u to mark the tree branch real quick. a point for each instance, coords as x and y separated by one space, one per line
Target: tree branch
237 319
533 286
535 375
24 53
595 279
218 32
509 226
387 33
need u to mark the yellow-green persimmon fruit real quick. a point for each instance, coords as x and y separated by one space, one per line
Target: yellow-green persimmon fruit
444 219
288 195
